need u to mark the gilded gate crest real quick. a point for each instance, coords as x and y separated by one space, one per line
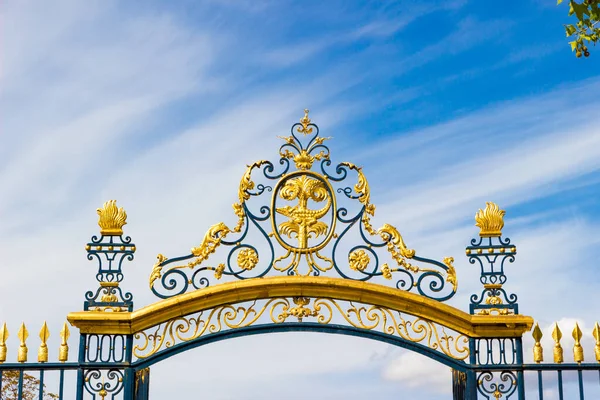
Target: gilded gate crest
302 217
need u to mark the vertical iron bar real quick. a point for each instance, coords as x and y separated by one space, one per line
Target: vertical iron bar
560 385
580 376
20 393
1 383
520 373
61 384
41 386
471 385
129 375
128 349
82 359
471 375
540 385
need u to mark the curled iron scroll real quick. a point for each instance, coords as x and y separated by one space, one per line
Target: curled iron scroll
304 216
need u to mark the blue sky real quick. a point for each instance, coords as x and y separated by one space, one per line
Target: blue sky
160 105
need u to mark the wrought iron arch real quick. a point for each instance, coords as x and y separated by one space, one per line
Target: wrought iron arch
303 256
304 327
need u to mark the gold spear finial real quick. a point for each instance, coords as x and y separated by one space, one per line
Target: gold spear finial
111 219
558 350
596 334
305 121
43 350
490 221
3 338
63 351
23 335
577 349
538 351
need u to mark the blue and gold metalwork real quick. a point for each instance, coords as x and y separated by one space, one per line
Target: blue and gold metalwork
279 310
300 220
305 219
491 252
103 384
110 250
497 385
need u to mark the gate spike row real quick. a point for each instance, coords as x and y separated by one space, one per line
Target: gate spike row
63 351
596 334
23 334
43 350
538 351
3 338
558 350
577 349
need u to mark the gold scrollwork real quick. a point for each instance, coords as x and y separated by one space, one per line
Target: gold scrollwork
217 232
306 225
231 316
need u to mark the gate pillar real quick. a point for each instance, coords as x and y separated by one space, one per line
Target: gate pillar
106 358
491 251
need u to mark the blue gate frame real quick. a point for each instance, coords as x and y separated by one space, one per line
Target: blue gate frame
301 246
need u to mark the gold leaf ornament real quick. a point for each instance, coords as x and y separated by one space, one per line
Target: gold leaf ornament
156 270
451 273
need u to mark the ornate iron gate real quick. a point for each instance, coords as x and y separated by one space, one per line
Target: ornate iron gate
312 225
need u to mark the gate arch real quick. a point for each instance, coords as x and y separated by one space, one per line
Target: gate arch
299 222
368 310
302 256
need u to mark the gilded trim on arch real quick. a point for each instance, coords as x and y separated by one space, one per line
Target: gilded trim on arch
292 286
278 310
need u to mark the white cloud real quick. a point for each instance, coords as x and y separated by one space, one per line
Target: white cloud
417 371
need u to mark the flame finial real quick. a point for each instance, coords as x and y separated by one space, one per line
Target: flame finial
305 121
111 219
490 221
